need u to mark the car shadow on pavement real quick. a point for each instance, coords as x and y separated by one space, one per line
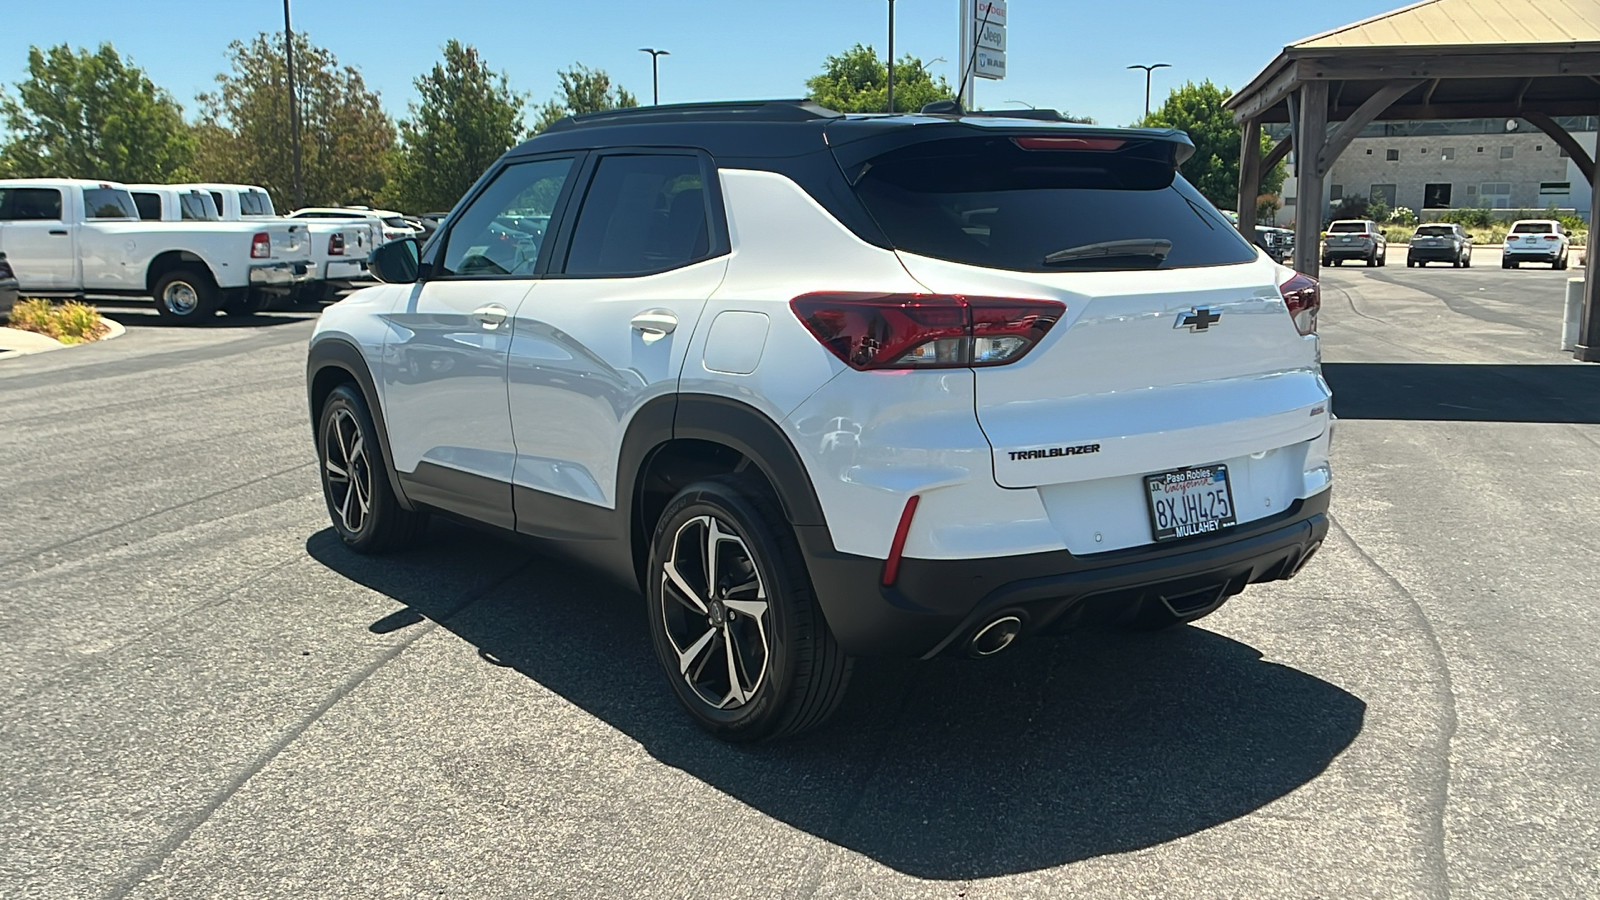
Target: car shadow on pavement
1454 392
1059 750
147 318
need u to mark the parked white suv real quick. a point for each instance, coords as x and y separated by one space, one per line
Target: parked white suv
823 386
1536 240
1355 239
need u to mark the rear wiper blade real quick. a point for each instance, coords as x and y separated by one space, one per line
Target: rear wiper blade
1153 247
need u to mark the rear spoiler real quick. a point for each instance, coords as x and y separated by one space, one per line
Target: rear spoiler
853 155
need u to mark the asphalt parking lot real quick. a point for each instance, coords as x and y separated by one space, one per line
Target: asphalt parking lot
207 696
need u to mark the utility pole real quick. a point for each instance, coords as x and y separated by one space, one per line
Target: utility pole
891 56
655 73
1147 71
294 110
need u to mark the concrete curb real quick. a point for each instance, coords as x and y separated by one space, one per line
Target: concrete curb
16 342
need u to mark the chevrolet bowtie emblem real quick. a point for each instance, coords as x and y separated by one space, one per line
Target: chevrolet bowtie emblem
1198 318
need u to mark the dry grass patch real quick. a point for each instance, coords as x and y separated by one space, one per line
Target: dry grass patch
70 322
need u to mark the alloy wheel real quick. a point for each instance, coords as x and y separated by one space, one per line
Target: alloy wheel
181 298
715 612
348 470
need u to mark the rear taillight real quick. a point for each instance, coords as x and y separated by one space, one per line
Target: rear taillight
925 331
261 246
1303 295
1063 142
336 244
1549 237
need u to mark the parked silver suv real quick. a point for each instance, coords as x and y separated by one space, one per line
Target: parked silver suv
1440 242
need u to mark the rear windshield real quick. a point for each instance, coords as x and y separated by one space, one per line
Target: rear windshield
1348 228
1534 228
108 203
988 202
1435 231
396 222
255 203
196 208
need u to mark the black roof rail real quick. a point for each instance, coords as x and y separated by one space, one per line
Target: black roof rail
726 111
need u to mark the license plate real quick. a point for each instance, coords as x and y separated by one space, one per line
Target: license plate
1189 502
1344 240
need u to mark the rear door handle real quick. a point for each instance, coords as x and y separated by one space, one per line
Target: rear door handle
655 324
491 316
58 233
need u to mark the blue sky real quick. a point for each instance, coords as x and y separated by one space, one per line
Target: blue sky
1067 54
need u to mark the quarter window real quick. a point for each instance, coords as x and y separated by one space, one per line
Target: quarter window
642 214
254 203
503 230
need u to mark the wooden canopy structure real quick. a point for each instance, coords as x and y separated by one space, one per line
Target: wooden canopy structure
1437 59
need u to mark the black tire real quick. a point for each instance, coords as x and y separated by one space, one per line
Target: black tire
1560 265
1466 261
1326 262
1337 263
186 296
245 303
348 446
802 671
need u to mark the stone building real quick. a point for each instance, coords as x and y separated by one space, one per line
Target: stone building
1432 166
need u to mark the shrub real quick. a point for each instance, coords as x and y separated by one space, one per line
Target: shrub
1398 234
70 322
1403 216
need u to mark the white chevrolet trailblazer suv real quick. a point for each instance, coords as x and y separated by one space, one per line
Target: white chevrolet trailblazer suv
823 386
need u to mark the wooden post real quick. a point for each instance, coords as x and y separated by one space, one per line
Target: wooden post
1249 177
1589 327
1313 134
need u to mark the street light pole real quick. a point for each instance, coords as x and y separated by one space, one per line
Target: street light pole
1147 71
655 73
891 56
294 110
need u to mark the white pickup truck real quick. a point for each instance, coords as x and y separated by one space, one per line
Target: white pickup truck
165 203
72 237
339 249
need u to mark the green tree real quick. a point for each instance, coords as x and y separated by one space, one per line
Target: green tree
857 80
467 116
1214 167
583 90
92 115
346 137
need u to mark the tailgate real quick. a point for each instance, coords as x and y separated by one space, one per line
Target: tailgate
291 242
1128 371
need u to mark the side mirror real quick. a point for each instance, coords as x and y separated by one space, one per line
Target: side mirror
395 262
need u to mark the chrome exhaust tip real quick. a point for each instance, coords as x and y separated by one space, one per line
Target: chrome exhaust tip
995 636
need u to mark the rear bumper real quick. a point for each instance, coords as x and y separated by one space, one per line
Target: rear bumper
1540 255
1447 254
280 274
345 270
936 605
1351 251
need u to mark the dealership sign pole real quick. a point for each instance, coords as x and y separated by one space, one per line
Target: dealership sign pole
983 45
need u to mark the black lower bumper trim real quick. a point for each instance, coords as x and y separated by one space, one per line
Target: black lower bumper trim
936 604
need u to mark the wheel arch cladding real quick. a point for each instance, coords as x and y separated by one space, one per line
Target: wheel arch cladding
332 362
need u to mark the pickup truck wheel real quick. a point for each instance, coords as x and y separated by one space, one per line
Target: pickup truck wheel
355 479
735 623
186 296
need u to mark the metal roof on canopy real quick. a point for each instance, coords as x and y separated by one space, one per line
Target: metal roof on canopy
1437 59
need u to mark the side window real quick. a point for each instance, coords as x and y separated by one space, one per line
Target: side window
194 208
503 229
108 203
254 203
216 197
641 214
149 205
30 204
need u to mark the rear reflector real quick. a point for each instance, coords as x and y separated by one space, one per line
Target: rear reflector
1303 295
891 566
925 331
1063 142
